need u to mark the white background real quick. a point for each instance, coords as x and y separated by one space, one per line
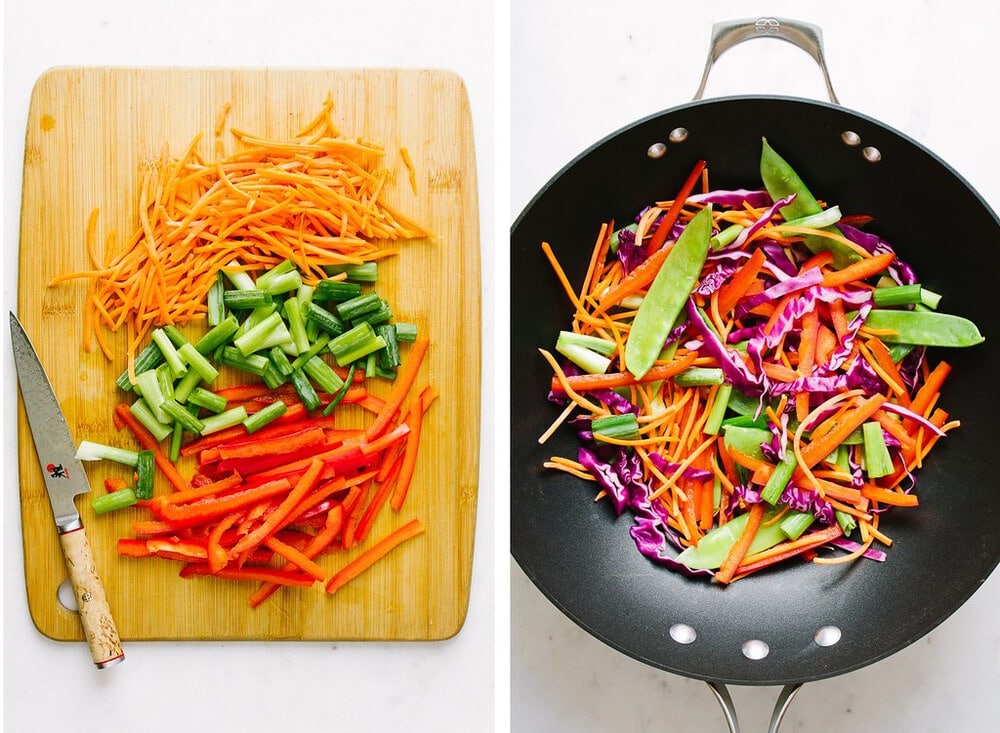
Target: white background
441 686
926 68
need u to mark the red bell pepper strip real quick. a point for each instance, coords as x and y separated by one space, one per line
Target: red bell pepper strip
205 509
269 575
667 222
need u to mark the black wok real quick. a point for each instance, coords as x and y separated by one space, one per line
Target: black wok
582 557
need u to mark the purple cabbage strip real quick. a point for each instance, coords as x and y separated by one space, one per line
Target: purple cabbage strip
714 280
807 279
899 271
778 256
851 546
730 361
734 199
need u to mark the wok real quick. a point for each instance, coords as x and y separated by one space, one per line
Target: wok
801 622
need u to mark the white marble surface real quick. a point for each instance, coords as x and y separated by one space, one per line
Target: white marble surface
927 69
442 686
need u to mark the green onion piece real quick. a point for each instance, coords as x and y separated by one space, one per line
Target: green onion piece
216 304
304 389
897 295
323 319
726 236
149 358
197 361
321 372
296 324
318 345
218 335
246 299
929 298
381 373
601 346
253 318
794 523
370 365
348 310
718 411
825 218
254 364
406 332
388 357
619 427
149 384
227 419
174 334
589 361
282 283
359 341
280 361
779 479
272 377
239 279
365 273
182 390
144 414
699 377
337 291
145 470
176 440
846 521
376 317
209 400
113 501
342 391
164 375
261 418
878 462
180 415
272 331
282 268
89 451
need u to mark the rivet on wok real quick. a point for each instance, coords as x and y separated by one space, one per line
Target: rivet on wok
678 135
657 150
872 155
683 634
827 636
850 138
755 649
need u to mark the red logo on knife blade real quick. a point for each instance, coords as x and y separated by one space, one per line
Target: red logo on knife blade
56 470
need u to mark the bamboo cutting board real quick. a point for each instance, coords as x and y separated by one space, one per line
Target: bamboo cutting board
90 134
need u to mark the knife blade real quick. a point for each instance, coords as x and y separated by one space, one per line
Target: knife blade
65 478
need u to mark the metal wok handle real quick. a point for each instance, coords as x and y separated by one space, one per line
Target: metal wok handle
729 33
780 705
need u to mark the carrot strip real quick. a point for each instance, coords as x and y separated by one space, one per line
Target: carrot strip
404 380
369 557
736 288
641 276
817 450
414 420
739 549
861 270
613 380
297 558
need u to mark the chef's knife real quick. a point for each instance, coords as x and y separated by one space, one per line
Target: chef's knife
65 478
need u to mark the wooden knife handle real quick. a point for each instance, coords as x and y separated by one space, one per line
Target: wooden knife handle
95 615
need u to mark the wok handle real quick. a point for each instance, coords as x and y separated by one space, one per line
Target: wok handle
729 33
721 693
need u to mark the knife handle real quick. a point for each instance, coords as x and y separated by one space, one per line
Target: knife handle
95 615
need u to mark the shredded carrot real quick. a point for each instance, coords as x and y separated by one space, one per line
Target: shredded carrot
369 557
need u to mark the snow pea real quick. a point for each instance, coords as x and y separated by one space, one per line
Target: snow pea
923 328
668 293
781 180
711 550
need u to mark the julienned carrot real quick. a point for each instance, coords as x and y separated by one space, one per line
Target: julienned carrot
817 450
888 496
414 420
404 380
924 397
316 198
740 547
148 442
296 557
369 557
787 550
736 288
590 382
635 281
861 270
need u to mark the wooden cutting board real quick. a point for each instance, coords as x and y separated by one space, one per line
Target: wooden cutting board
90 133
